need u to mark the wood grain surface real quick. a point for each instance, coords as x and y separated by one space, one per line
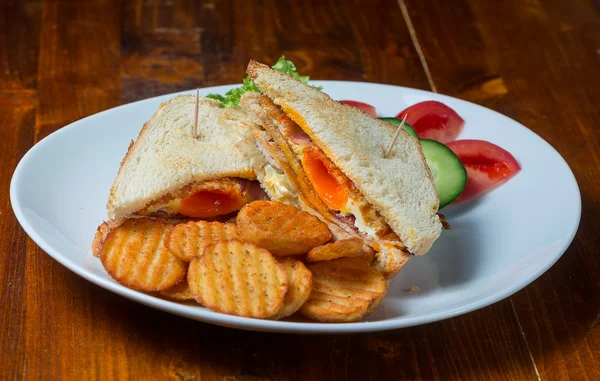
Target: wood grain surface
537 61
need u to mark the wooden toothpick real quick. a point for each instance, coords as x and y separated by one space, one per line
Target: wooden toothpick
195 129
387 152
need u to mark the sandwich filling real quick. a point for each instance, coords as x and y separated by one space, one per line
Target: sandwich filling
207 199
336 191
340 194
275 179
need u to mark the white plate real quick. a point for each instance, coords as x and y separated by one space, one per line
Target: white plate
497 244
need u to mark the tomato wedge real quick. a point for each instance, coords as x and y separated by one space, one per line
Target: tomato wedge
208 204
487 166
362 106
433 120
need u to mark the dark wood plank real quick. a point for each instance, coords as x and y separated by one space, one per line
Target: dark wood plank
160 47
19 41
17 118
536 62
19 44
78 76
79 62
459 61
178 45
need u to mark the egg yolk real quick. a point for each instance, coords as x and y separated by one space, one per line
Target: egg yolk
329 189
207 204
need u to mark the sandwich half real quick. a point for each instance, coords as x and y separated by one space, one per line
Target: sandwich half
332 158
169 174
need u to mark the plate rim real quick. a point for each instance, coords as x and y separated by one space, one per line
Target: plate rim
204 315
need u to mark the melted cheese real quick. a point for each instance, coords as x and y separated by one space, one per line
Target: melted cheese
352 207
172 207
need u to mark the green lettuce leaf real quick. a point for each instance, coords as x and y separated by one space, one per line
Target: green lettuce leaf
217 97
232 97
288 67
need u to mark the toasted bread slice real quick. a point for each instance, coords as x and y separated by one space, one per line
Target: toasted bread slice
165 158
400 187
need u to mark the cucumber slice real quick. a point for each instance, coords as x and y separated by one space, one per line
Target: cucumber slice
449 174
396 122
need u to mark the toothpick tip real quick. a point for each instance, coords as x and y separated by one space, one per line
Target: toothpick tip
400 126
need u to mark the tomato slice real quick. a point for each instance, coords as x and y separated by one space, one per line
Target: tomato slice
329 189
433 120
487 165
208 204
362 106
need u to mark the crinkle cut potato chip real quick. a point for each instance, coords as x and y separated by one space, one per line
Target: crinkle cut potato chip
189 239
238 278
299 287
180 292
282 229
134 254
99 238
343 290
350 247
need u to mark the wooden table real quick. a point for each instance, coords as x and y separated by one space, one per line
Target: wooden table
537 61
